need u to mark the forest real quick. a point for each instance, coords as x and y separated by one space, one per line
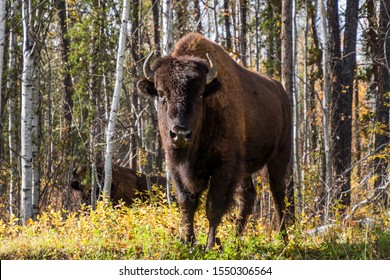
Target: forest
68 98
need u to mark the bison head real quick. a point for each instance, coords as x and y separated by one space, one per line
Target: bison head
81 181
181 84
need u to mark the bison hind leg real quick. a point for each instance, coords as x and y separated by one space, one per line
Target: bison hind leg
277 168
247 197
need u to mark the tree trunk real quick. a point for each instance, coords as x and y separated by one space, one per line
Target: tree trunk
67 92
3 14
287 82
168 29
382 107
96 129
257 35
343 108
26 113
327 151
115 99
156 26
36 143
12 142
226 16
315 55
135 57
335 89
243 32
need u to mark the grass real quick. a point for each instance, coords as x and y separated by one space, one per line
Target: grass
150 231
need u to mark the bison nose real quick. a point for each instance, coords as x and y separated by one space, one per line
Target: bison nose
180 136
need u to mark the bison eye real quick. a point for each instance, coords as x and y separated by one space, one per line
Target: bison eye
162 97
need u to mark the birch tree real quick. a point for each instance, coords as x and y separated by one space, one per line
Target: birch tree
2 43
327 156
115 99
35 142
28 85
168 26
11 118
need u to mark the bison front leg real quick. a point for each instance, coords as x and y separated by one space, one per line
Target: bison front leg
187 204
219 199
247 196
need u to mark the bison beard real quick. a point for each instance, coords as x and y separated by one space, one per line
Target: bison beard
219 123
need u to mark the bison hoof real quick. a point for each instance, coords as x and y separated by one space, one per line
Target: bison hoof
188 240
217 245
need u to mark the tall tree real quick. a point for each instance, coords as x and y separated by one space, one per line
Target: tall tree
115 99
335 67
67 84
12 142
271 28
96 131
287 79
379 39
28 84
135 57
326 118
68 90
3 14
342 115
314 71
156 26
168 26
243 32
227 22
341 90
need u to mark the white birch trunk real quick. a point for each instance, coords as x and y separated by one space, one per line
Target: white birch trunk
306 110
2 43
326 111
11 119
168 34
26 107
296 114
115 100
35 143
2 39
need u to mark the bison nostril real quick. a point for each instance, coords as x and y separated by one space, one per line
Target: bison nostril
187 134
180 135
172 134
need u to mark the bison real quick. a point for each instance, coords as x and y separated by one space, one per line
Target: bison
127 184
219 123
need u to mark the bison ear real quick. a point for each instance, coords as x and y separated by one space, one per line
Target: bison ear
146 88
212 88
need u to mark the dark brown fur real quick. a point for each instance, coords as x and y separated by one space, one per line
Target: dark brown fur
127 184
227 130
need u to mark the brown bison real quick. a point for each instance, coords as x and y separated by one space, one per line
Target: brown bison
219 123
127 184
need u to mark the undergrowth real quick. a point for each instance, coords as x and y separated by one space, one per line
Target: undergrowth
151 231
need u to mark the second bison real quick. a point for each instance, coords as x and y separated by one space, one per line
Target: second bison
127 184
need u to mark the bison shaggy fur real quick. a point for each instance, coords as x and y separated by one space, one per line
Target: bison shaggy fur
219 123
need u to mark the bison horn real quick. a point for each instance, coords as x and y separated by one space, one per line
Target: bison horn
213 70
148 72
